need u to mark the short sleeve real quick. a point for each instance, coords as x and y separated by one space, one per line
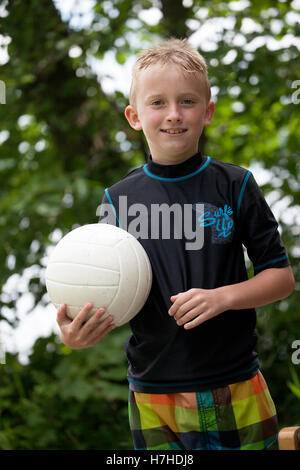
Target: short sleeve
259 228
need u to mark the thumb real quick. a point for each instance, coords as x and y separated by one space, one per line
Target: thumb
62 318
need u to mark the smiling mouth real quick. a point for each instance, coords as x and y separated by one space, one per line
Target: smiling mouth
174 131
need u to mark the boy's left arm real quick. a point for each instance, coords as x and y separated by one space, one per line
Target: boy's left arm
195 306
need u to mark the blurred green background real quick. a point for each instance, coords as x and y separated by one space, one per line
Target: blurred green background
64 138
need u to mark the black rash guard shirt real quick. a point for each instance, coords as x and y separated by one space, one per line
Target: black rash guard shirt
164 207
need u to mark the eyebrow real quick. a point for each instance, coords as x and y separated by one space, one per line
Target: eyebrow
159 95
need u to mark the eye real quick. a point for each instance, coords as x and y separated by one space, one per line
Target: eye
188 101
157 103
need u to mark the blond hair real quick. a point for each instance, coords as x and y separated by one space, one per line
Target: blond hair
172 51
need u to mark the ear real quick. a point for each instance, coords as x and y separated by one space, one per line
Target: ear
133 118
209 113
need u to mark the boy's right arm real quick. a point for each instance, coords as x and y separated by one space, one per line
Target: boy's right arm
82 333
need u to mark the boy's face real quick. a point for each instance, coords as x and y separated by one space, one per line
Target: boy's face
172 111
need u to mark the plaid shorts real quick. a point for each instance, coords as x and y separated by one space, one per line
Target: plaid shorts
240 416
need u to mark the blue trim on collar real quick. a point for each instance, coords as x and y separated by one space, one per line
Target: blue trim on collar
180 178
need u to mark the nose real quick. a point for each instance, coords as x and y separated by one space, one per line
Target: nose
174 113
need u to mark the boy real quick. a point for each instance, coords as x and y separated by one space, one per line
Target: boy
193 372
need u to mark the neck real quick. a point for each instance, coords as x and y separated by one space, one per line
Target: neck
182 168
169 161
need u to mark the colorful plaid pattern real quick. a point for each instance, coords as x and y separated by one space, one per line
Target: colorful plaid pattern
240 416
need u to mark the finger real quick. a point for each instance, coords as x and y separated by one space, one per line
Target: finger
174 297
186 311
176 304
95 319
197 321
105 327
82 315
189 315
62 317
180 299
108 323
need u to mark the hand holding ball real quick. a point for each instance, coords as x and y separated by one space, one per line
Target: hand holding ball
102 264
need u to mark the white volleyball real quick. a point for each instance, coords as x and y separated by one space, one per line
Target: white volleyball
103 264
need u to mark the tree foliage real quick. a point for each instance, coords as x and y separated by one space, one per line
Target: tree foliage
65 399
63 140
